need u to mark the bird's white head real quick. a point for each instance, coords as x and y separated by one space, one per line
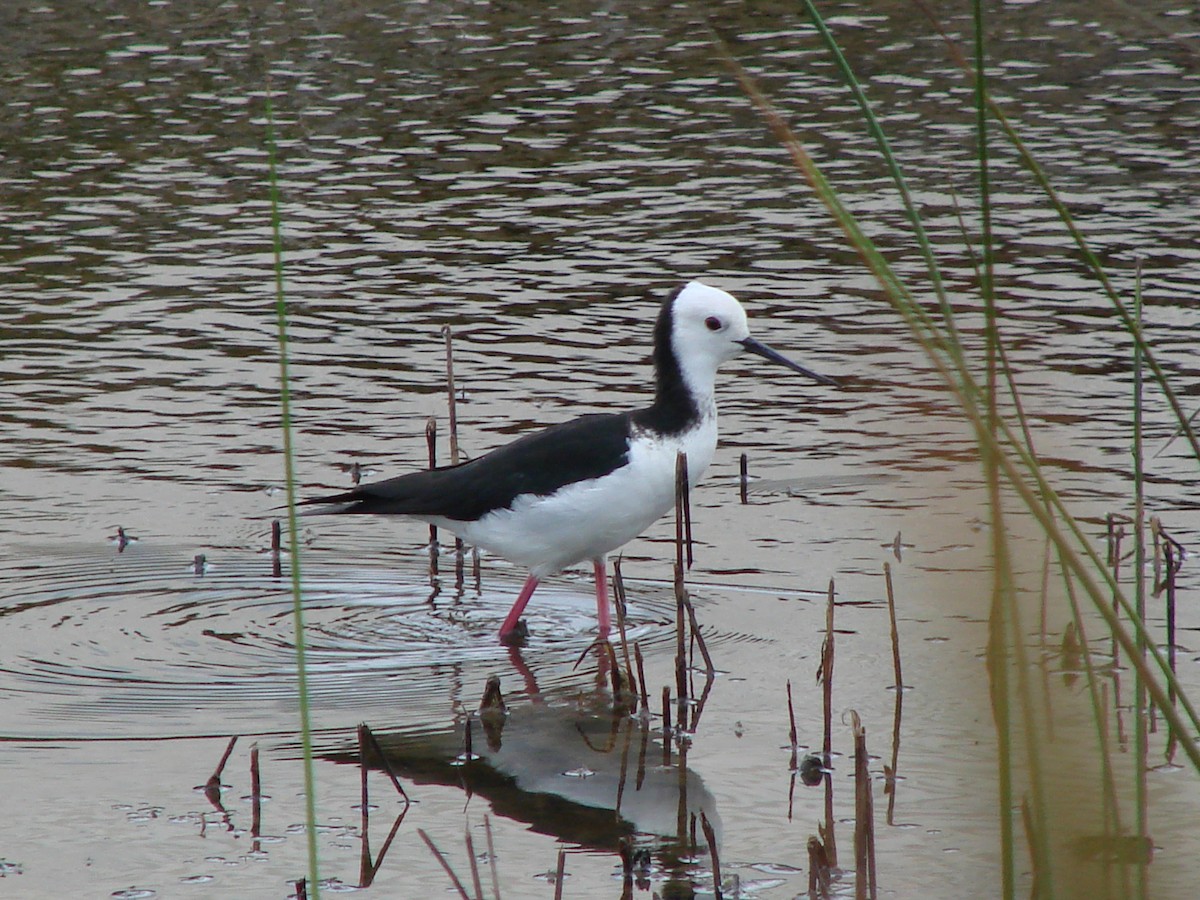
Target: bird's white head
708 327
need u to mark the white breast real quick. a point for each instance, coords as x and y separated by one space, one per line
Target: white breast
591 518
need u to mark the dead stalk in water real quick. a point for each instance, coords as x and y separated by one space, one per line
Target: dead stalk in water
431 446
437 854
625 850
891 598
641 676
366 738
491 852
560 874
476 883
276 549
683 508
819 876
255 794
710 837
709 668
1173 553
792 740
212 787
666 726
744 478
825 676
619 604
889 772
864 815
452 407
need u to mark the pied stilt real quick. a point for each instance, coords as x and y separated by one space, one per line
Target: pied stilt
581 489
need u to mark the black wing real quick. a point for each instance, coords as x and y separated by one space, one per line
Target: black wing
538 463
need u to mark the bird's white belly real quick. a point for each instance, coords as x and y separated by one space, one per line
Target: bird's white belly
590 518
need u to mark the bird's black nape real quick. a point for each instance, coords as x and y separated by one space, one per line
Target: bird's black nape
674 409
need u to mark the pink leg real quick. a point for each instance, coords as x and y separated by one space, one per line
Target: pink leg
602 614
518 607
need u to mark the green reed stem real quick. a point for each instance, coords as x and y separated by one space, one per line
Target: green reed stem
953 343
1003 593
310 793
1040 498
1089 257
1141 754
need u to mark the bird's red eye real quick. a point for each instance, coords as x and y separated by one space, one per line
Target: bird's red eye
713 323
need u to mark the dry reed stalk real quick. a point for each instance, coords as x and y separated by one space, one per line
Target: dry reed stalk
864 815
744 478
641 676
825 676
709 668
683 507
1154 526
560 875
475 881
625 851
1173 553
491 852
619 603
889 772
891 598
666 726
437 854
255 794
710 838
792 740
276 549
1115 535
212 787
819 876
366 737
431 447
452 408
370 869
681 811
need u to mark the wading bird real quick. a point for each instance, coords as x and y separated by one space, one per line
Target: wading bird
581 489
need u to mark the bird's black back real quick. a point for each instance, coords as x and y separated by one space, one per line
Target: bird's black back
538 463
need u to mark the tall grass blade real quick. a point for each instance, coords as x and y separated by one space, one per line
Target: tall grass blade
310 802
1003 597
1142 750
1089 257
1036 494
1009 459
953 344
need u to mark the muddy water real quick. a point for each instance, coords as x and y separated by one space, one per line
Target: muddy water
536 181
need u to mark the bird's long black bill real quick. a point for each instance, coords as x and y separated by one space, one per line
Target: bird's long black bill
767 353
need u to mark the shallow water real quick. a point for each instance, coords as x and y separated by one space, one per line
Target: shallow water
537 181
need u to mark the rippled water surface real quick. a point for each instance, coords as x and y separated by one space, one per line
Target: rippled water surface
537 179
